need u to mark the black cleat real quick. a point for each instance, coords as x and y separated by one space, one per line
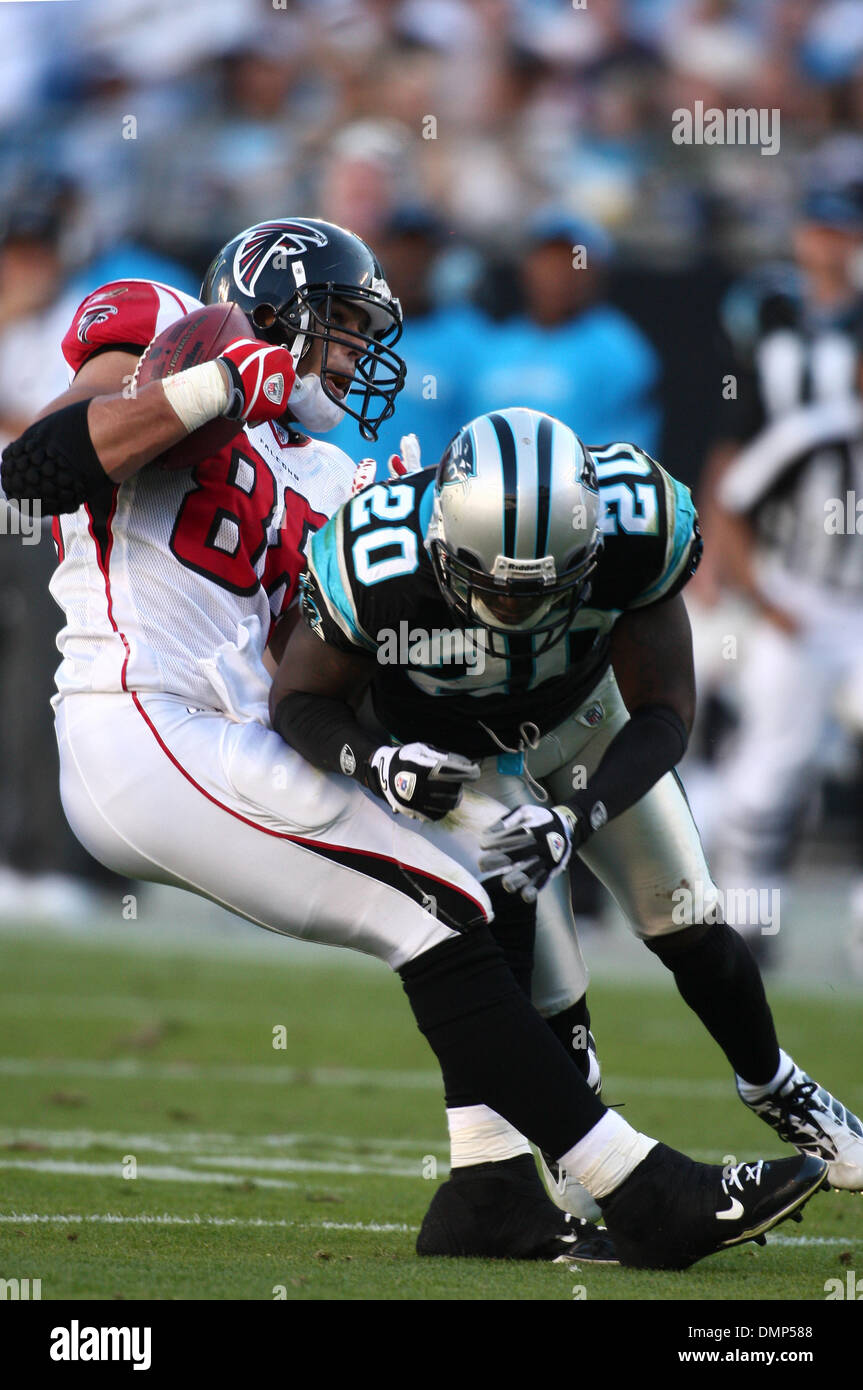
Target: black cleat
499 1211
672 1211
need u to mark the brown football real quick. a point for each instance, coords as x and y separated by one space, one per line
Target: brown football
199 337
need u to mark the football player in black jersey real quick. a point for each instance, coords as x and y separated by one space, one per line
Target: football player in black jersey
517 616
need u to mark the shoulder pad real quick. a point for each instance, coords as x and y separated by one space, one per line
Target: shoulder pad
649 523
125 314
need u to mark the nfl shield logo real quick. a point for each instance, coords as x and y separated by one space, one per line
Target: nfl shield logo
405 782
274 388
556 845
593 715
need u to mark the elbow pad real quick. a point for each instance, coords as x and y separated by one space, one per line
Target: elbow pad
54 463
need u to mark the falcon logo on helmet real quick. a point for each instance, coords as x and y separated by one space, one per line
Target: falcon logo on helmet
261 244
295 279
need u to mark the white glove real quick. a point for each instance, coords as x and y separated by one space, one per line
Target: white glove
407 460
422 782
531 846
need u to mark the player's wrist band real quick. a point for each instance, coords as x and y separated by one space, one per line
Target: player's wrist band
199 394
54 463
325 732
652 741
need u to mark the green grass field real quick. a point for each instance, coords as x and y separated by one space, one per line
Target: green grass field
302 1171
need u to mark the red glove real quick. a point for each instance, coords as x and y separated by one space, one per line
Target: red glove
364 474
262 379
408 461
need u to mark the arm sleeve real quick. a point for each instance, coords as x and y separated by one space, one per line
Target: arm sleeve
650 744
325 732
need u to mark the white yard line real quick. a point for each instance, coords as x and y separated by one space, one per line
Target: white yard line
223 1148
382 1167
190 1141
130 1068
246 1163
376 1227
167 1219
162 1173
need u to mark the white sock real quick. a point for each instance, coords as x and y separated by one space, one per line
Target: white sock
606 1155
478 1134
783 1071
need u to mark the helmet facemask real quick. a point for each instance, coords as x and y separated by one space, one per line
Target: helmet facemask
519 597
378 374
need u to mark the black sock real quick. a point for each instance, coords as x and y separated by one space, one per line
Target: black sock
491 1043
716 973
514 930
522 1166
571 1027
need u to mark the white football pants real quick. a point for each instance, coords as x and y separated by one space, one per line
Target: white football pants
161 792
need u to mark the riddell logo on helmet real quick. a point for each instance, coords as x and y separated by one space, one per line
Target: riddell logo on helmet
274 388
257 249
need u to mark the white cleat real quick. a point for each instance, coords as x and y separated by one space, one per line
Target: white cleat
804 1114
565 1192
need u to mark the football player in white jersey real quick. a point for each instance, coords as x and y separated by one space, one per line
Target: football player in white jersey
171 772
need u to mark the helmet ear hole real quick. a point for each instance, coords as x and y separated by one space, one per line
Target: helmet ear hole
264 316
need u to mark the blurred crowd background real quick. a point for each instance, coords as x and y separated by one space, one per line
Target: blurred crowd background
513 163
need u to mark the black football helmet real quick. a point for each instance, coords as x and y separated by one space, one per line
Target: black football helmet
285 276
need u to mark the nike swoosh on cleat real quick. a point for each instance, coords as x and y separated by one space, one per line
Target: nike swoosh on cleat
734 1212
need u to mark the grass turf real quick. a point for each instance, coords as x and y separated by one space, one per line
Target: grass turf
303 1171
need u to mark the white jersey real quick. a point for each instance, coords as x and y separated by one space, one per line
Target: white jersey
172 581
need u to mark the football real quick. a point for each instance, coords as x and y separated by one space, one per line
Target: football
199 337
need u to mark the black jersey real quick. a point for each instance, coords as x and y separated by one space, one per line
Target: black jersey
370 587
